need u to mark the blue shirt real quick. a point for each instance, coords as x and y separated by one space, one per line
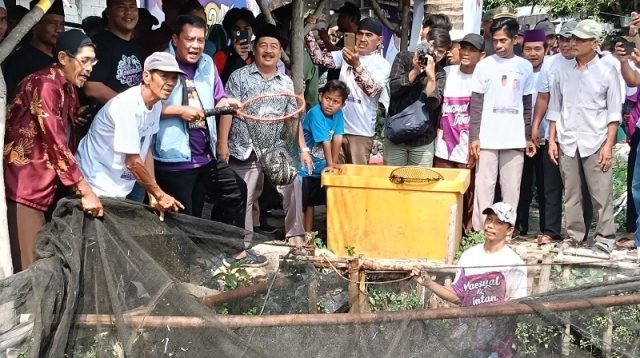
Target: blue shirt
319 128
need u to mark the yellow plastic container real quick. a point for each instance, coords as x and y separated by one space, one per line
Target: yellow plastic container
380 219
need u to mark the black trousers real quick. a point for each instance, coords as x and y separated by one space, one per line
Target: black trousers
532 171
215 182
631 164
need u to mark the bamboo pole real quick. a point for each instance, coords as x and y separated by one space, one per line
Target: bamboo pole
247 291
508 309
6 47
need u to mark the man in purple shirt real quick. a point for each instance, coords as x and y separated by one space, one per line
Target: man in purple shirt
186 163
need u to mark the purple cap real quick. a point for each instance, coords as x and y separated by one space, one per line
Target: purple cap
534 36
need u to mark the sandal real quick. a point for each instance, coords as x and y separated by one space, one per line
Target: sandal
626 244
545 239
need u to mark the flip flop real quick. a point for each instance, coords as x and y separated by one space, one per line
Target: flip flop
626 244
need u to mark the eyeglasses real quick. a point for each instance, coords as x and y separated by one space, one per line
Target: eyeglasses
84 62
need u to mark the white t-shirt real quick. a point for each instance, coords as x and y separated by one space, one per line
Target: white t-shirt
452 141
608 58
489 278
503 82
360 110
123 126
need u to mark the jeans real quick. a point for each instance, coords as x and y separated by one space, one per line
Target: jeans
635 191
402 154
216 182
632 215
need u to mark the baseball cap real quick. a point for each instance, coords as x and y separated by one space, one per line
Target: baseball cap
70 41
2 5
588 29
162 61
504 11
474 40
505 212
349 9
567 27
546 26
487 15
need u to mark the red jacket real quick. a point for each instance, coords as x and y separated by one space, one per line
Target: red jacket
39 141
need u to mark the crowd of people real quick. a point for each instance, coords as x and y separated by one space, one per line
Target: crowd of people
118 110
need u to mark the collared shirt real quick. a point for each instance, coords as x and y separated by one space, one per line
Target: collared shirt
247 83
583 103
39 140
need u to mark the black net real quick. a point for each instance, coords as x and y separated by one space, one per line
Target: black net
132 286
272 122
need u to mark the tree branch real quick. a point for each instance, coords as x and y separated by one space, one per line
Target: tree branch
318 13
380 14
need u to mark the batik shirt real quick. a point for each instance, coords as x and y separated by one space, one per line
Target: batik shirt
39 140
247 83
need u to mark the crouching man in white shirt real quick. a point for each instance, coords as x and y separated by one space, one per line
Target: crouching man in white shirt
115 152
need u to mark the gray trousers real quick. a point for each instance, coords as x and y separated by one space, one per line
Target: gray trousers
251 172
506 162
574 171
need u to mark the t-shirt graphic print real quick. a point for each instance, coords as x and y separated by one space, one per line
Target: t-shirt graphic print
129 71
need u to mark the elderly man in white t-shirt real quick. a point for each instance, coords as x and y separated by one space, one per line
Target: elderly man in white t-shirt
115 152
500 117
584 114
366 74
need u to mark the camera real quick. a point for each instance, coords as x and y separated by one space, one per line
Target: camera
424 51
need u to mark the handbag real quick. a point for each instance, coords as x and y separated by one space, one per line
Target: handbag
407 124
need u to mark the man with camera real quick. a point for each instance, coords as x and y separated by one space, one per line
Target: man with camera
366 73
417 78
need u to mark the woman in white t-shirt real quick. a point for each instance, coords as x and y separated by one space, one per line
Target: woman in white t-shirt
452 140
501 109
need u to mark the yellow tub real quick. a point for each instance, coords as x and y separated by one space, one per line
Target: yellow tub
380 219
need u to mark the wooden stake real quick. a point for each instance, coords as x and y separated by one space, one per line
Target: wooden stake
545 273
312 292
354 289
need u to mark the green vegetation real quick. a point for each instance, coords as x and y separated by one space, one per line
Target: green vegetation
474 238
387 300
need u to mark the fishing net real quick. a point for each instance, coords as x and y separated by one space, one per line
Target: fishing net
272 122
132 286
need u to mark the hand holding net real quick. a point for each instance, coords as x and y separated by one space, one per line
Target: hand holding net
272 122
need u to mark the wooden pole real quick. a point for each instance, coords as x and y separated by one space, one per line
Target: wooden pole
354 274
545 273
6 47
508 309
247 291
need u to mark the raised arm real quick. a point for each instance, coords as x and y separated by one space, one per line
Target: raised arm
318 56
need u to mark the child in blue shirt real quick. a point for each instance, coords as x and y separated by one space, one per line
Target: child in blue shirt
323 128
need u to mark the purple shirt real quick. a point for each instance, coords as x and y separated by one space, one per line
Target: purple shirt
199 138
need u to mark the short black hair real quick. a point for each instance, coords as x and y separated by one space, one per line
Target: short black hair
233 15
190 6
440 38
440 21
188 20
336 86
510 26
